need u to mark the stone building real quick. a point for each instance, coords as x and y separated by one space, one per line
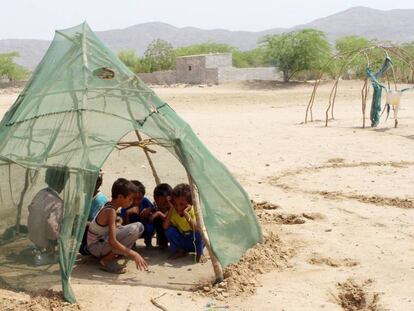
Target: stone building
208 69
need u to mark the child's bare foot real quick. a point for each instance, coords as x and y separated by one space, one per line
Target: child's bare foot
178 254
200 258
112 267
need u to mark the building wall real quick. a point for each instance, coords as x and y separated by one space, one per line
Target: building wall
159 77
201 69
211 76
243 74
219 60
191 69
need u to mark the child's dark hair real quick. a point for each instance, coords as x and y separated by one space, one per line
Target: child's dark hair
162 190
122 187
140 186
183 190
56 177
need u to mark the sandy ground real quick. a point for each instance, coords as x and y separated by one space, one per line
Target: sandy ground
347 186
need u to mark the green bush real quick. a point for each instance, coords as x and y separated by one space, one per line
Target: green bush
9 69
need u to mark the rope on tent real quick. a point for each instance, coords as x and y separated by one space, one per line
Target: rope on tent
146 151
144 143
154 171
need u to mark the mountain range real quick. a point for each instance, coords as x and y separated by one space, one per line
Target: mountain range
393 25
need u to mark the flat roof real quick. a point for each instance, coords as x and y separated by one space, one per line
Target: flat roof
204 55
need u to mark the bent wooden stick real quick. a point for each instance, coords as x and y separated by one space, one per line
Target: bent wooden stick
218 270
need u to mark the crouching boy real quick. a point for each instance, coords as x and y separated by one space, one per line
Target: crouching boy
140 211
162 197
107 240
180 224
45 216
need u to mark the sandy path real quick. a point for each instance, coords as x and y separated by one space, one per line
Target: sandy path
258 133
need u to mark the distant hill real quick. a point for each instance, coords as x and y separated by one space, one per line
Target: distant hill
394 25
138 37
31 51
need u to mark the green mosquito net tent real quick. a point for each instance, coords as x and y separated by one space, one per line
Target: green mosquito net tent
80 102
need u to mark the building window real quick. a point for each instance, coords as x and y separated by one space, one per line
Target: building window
189 68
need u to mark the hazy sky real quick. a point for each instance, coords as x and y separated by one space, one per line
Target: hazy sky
39 18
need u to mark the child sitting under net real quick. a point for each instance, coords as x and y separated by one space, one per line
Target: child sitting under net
45 216
162 198
140 211
180 224
99 199
107 239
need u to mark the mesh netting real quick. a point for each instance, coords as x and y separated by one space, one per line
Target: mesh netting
81 101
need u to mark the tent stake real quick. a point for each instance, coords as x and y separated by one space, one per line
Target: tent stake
154 172
218 270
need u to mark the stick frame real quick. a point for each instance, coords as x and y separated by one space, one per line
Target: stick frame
218 269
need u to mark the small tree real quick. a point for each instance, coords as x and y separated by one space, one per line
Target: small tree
9 69
350 44
348 47
252 58
159 55
293 52
130 59
133 62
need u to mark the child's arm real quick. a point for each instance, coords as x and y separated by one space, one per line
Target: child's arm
192 222
157 214
167 220
146 212
111 220
130 211
147 208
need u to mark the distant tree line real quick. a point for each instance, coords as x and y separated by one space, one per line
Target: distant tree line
299 55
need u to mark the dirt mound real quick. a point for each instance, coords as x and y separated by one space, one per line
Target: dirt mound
336 160
352 296
377 200
318 259
265 213
280 218
264 205
313 216
288 219
46 300
241 278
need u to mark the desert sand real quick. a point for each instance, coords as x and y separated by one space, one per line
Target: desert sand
339 213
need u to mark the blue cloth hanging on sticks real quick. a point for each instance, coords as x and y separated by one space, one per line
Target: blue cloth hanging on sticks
376 97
